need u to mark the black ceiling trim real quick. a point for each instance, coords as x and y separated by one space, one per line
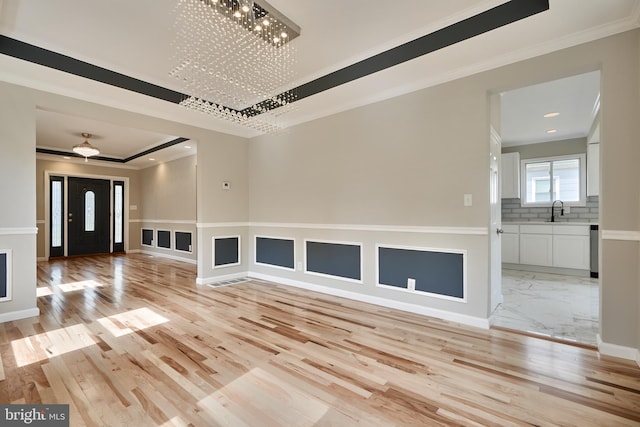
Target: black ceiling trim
156 148
71 154
483 22
40 56
491 19
113 159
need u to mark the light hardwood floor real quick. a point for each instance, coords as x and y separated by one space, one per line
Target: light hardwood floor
131 340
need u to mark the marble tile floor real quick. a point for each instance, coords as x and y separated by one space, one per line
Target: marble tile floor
553 305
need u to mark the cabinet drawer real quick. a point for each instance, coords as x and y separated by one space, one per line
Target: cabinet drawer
571 230
536 229
510 228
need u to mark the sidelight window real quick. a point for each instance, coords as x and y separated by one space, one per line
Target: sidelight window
89 211
56 213
118 218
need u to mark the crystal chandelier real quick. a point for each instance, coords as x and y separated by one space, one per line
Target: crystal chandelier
85 149
234 60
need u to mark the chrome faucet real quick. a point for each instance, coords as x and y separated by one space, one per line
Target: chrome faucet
553 206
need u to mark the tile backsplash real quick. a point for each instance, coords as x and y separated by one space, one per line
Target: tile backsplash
512 211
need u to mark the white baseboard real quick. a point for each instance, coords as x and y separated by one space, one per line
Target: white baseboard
161 255
464 319
620 351
215 279
543 269
20 314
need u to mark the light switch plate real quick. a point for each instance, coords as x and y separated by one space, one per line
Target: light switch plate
468 200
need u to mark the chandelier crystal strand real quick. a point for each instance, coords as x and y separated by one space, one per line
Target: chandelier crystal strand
229 65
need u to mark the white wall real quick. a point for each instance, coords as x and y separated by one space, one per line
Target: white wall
369 174
221 213
168 202
18 195
409 160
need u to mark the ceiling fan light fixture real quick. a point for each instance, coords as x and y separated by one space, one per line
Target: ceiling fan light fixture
85 149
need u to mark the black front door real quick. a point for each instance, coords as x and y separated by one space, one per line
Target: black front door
88 217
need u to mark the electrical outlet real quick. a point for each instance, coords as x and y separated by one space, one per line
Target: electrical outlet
468 200
411 284
299 265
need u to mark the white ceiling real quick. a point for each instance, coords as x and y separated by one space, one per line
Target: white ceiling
134 38
576 99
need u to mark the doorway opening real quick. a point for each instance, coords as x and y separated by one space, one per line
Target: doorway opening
86 215
550 134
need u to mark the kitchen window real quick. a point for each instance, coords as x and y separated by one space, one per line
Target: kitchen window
554 178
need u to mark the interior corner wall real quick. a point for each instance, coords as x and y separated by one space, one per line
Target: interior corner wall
408 161
18 214
89 169
168 202
222 202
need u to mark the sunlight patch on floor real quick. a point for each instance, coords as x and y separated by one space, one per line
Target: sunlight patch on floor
69 287
43 292
47 345
125 323
250 396
51 344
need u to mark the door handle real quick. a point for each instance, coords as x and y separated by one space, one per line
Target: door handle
499 230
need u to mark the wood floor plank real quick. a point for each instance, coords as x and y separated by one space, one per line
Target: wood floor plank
131 340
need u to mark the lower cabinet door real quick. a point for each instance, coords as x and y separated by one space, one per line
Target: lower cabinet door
511 248
536 249
571 252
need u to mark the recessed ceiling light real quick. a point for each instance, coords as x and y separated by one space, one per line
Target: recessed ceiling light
552 114
67 158
552 131
151 159
187 146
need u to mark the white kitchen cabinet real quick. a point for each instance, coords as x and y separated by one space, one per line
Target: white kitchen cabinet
536 249
571 247
510 244
547 245
593 169
510 171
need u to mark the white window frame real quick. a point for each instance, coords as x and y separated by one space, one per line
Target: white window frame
582 159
